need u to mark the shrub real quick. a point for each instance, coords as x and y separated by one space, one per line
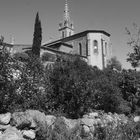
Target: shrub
79 87
121 132
70 79
24 85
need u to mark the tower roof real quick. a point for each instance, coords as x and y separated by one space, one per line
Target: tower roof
66 12
66 26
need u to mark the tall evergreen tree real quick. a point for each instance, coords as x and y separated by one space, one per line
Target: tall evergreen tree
37 36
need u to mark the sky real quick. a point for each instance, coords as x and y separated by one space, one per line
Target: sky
17 19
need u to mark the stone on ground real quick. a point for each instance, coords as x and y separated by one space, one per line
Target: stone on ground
5 118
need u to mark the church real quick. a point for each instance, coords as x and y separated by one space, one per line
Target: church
92 45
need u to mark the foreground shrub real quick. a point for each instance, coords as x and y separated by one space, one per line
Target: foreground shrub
23 85
121 132
59 131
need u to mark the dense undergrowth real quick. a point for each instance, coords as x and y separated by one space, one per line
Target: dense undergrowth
72 87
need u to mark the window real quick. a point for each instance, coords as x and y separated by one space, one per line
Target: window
86 49
95 46
105 48
80 49
63 34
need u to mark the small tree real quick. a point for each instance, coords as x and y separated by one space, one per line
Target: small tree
113 63
71 90
37 36
134 42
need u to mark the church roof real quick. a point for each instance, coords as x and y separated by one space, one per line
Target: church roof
75 36
60 52
57 44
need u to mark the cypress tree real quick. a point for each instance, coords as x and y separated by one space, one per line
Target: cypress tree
37 36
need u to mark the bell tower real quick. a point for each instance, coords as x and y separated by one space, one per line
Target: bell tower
66 28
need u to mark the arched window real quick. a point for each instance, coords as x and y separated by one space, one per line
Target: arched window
105 48
80 49
86 49
95 46
63 34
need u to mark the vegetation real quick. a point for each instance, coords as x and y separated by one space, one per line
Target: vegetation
37 36
134 43
113 63
23 85
72 88
88 88
60 131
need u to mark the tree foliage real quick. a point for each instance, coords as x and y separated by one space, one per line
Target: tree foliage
79 88
134 43
72 87
113 63
37 36
23 85
69 78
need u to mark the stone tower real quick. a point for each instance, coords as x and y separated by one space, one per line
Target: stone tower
66 28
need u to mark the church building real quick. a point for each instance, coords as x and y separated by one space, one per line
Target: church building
93 45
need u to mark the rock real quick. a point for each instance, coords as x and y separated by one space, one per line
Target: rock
98 122
92 129
29 134
12 134
88 122
5 118
109 118
21 120
136 118
86 129
1 134
93 115
4 127
50 119
124 119
38 118
36 115
71 123
85 116
41 119
86 133
33 124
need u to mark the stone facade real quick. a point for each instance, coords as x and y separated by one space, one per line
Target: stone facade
93 45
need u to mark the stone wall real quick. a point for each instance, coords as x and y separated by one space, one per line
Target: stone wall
24 125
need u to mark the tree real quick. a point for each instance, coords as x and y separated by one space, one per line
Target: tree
37 36
113 63
79 88
71 90
134 42
129 86
23 84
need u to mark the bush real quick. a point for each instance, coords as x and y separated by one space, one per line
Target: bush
79 88
121 132
24 85
128 131
72 87
70 78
